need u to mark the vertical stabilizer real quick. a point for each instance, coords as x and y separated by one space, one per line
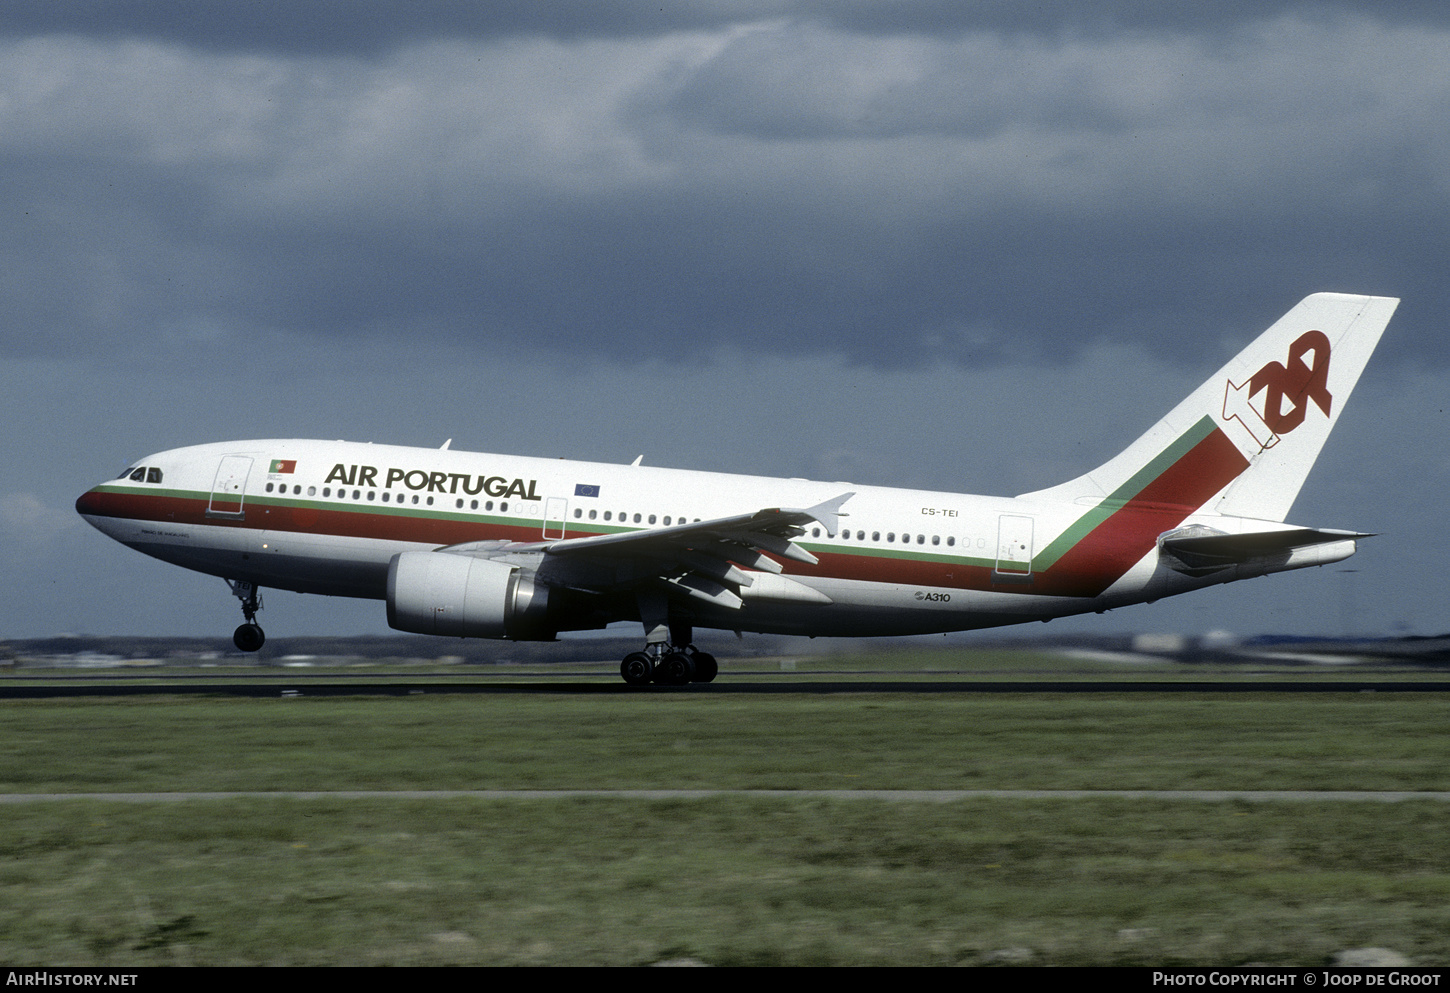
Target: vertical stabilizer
1243 442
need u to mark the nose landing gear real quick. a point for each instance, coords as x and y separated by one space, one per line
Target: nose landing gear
249 637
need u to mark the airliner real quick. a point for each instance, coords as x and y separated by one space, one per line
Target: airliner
472 545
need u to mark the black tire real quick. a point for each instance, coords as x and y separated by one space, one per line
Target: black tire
637 669
706 668
675 669
248 638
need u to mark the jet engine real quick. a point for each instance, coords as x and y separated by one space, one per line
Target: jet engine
449 594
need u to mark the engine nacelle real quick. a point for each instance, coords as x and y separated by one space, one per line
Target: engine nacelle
465 597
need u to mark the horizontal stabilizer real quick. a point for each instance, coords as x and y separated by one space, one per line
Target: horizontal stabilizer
1199 550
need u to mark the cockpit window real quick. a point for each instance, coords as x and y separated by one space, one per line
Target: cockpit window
141 474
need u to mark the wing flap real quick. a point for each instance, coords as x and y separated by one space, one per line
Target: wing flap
703 588
706 560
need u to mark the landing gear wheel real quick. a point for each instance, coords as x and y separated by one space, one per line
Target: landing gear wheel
675 669
248 637
706 668
637 668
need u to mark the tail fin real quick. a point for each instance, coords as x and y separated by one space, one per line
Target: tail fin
1243 442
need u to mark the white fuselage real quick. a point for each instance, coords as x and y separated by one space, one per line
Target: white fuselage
328 517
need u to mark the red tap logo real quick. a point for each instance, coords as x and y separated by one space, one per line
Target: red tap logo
1294 383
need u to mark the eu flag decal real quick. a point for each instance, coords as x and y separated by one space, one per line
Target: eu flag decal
584 489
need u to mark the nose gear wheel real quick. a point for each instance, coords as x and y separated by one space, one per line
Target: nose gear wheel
249 637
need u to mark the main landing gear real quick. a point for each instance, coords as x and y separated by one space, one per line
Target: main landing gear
668 657
668 666
249 637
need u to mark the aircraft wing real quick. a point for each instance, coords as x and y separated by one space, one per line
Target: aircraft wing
702 559
1200 550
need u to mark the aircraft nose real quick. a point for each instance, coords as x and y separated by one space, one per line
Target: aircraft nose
89 503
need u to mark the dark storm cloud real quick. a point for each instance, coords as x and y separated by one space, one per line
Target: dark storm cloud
971 189
374 26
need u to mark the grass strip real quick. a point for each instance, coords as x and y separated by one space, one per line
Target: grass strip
724 880
1240 741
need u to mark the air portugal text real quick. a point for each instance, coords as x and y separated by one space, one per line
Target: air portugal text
434 482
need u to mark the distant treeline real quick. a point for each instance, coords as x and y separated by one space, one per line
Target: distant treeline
1433 651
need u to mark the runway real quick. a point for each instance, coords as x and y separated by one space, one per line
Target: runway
902 796
18 688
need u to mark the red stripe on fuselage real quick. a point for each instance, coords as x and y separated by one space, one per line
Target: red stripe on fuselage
1102 557
305 519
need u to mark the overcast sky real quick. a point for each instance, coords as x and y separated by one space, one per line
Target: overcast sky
961 246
